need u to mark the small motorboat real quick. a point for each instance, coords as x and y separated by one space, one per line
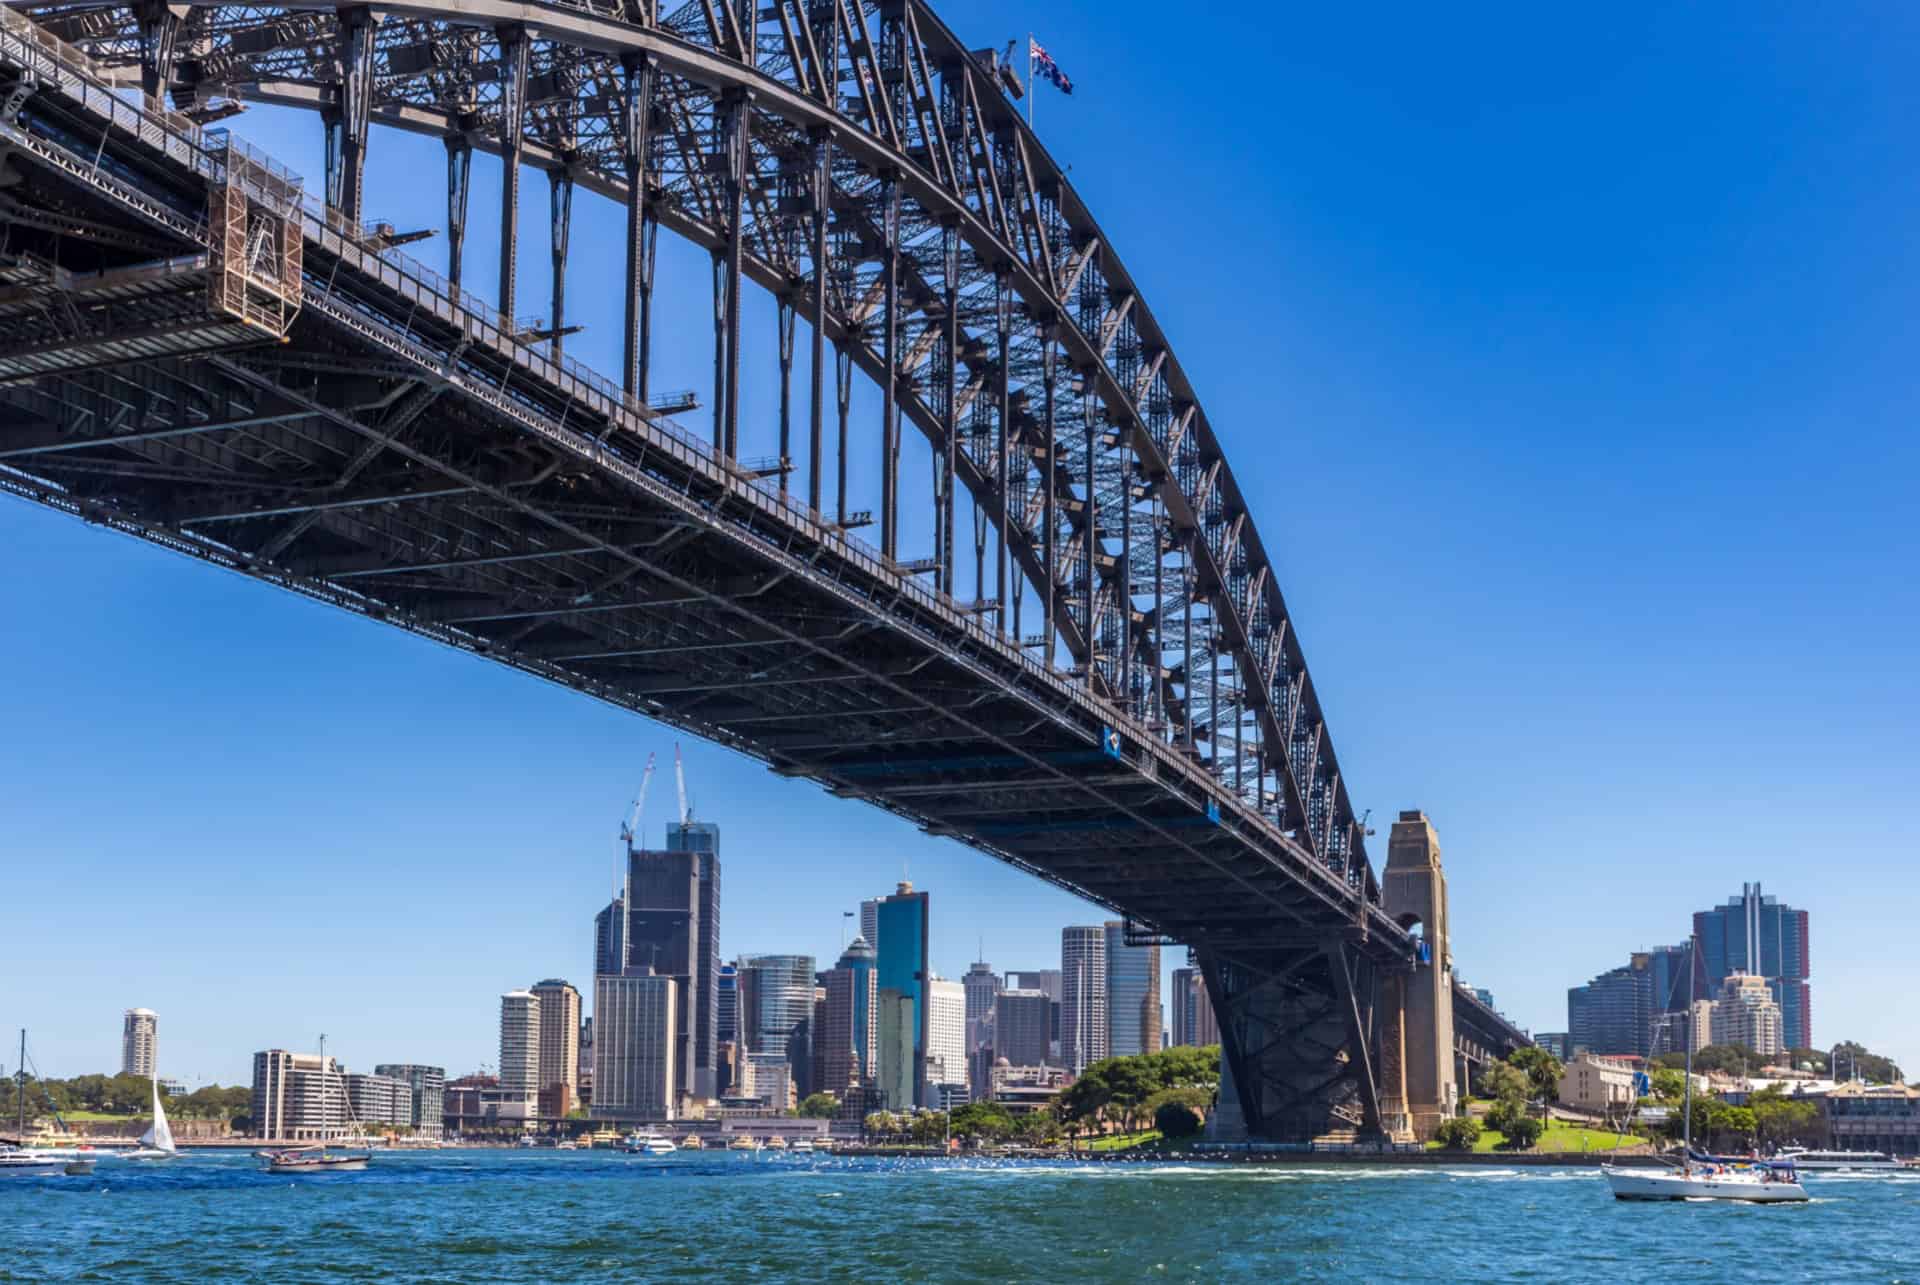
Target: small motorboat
801 1147
30 1162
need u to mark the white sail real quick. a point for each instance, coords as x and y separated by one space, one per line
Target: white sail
159 1134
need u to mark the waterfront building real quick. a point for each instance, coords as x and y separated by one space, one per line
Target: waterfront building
1021 1020
298 1097
946 1032
1746 1013
1083 996
559 1035
1133 994
1591 1082
1022 1089
1757 934
379 1101
901 960
520 1054
426 1094
1876 1117
139 1042
982 984
635 1047
895 1069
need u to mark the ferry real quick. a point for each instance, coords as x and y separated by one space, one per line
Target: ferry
743 1142
802 1147
1840 1161
649 1144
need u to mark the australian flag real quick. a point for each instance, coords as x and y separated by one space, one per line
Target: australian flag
1044 65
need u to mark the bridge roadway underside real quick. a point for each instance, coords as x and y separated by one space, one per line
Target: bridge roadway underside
397 456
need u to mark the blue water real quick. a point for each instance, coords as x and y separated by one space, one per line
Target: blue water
493 1216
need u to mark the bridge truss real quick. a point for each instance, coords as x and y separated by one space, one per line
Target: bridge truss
1111 696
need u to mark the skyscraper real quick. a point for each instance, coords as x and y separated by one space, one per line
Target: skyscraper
982 985
559 1035
1047 980
901 961
870 921
1193 1010
636 1047
894 1071
1613 1013
1133 994
849 1022
946 1032
1021 1021
139 1042
675 924
726 1027
1083 996
1757 934
775 996
519 1055
1745 1013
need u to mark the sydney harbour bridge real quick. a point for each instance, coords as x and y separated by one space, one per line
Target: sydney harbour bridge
1061 643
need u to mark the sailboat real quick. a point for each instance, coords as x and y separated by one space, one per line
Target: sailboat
1702 1177
317 1157
157 1142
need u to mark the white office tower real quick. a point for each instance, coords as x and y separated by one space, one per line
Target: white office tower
946 1032
1083 996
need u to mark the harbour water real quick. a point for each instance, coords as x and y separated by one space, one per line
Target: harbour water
497 1216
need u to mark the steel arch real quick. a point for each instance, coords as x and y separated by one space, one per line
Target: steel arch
985 218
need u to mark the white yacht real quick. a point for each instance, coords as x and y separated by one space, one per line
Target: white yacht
29 1162
1705 1179
1840 1161
801 1147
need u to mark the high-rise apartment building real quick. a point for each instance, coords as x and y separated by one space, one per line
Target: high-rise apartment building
982 985
519 1055
1193 1021
1133 994
1083 996
559 1036
1022 1020
636 1047
901 961
298 1097
1612 1015
426 1095
139 1042
1746 1014
1759 935
946 1031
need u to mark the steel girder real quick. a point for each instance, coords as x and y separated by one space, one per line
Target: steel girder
1066 416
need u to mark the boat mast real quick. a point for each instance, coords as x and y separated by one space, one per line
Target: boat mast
1693 947
20 1082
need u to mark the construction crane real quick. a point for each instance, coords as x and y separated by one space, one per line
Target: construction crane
680 780
630 832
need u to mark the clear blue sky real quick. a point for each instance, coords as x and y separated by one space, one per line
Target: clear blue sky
1569 363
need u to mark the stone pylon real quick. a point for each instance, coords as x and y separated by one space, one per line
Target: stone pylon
1414 892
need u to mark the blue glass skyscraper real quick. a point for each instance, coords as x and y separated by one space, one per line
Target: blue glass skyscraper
901 966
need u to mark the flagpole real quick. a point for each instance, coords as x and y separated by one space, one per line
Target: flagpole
1031 95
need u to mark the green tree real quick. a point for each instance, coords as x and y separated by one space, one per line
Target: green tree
982 1121
1506 1113
1499 1080
819 1106
1176 1120
1039 1128
1542 1070
1850 1058
930 1127
1458 1133
1522 1132
1669 1085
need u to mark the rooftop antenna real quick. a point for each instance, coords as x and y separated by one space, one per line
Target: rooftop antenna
680 780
